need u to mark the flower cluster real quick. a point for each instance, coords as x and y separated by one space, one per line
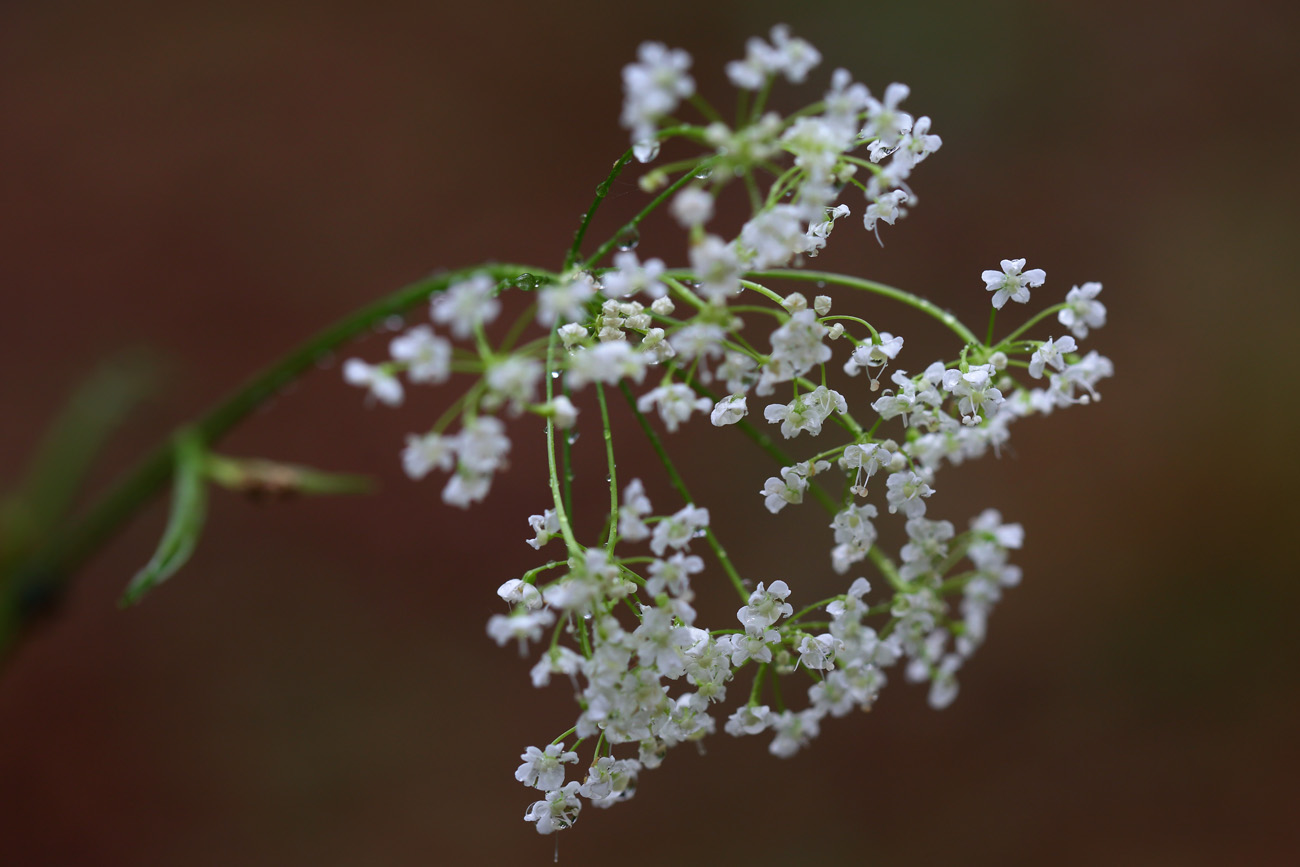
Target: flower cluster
614 616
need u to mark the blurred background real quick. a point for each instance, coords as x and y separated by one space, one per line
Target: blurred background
217 181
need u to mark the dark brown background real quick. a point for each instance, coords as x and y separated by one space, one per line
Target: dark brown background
217 182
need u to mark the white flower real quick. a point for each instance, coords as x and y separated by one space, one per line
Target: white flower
692 207
819 652
748 720
793 57
766 606
907 491
807 412
918 144
558 811
636 505
633 276
653 87
1012 282
545 526
426 356
610 780
673 575
1050 354
678 529
789 488
543 769
772 237
377 378
519 592
887 207
884 121
556 660
943 684
565 300
562 411
512 379
466 304
482 444
423 453
1084 310
872 354
793 731
572 334
674 402
607 363
797 346
975 389
521 625
867 459
716 264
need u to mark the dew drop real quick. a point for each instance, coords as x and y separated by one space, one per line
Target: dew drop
645 151
573 438
555 374
628 239
704 172
526 282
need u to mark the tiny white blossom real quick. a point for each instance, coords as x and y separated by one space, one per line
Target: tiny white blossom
558 811
692 207
523 626
652 88
546 526
718 268
749 720
427 357
376 378
519 592
466 305
425 453
907 491
633 276
1084 311
636 505
543 769
678 529
1012 282
565 300
674 402
793 731
1050 354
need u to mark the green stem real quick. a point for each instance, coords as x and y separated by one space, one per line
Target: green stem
645 212
1055 308
926 307
602 190
613 479
561 513
680 485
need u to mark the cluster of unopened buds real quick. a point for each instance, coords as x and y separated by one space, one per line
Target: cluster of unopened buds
612 616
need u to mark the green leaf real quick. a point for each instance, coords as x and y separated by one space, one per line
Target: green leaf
185 523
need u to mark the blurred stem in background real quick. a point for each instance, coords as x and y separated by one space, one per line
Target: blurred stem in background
42 547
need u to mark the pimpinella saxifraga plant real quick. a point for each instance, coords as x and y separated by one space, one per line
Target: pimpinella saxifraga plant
818 383
612 615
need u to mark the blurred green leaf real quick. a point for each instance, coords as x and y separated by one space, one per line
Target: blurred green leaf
185 523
